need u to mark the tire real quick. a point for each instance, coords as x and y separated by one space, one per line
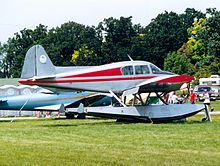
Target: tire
69 116
81 116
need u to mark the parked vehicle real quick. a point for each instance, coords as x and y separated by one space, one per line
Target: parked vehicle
201 90
214 80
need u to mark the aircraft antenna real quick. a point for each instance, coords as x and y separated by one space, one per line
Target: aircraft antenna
130 58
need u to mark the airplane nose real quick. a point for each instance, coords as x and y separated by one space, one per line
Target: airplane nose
188 78
183 78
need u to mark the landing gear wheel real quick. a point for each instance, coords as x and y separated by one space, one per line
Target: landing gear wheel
69 116
81 116
204 119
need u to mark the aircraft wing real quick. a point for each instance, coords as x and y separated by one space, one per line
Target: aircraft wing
175 79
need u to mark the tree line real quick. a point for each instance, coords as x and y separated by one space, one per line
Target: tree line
187 43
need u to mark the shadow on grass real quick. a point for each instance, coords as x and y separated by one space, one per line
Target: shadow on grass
77 122
92 121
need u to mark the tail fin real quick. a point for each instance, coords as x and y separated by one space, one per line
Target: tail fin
37 63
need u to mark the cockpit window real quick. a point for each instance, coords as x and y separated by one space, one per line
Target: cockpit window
155 69
142 69
127 70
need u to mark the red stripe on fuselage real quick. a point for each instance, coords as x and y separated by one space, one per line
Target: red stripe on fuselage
32 82
177 79
102 73
174 79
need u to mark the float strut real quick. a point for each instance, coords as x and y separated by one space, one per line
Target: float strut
207 114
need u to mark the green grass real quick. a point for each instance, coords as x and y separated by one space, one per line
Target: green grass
106 142
8 81
214 104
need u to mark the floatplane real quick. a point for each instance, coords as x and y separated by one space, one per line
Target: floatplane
119 79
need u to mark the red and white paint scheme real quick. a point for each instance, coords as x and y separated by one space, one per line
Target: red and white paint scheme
120 79
127 77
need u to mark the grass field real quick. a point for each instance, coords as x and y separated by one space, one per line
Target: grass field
106 142
216 105
8 81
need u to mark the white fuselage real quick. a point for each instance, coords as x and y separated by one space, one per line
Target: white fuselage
116 77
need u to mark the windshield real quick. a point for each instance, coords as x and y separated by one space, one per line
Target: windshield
155 69
204 89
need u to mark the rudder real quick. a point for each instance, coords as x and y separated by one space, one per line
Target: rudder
37 63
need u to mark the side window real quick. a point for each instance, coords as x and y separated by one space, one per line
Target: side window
155 70
145 69
127 70
142 69
138 70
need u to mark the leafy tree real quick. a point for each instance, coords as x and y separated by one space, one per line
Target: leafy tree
62 41
215 67
203 46
17 47
118 36
173 41
84 57
202 73
138 49
4 68
213 35
59 43
178 63
1 61
166 33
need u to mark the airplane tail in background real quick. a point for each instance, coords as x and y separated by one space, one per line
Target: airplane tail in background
37 64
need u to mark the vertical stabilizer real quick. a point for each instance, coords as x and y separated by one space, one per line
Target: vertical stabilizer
37 63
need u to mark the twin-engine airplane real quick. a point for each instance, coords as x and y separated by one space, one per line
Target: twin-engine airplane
122 77
119 79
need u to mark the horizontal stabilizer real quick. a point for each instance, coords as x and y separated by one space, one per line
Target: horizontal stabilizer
42 77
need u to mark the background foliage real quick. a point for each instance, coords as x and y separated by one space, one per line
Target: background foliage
187 43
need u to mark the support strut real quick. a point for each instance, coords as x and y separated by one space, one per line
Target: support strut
161 98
